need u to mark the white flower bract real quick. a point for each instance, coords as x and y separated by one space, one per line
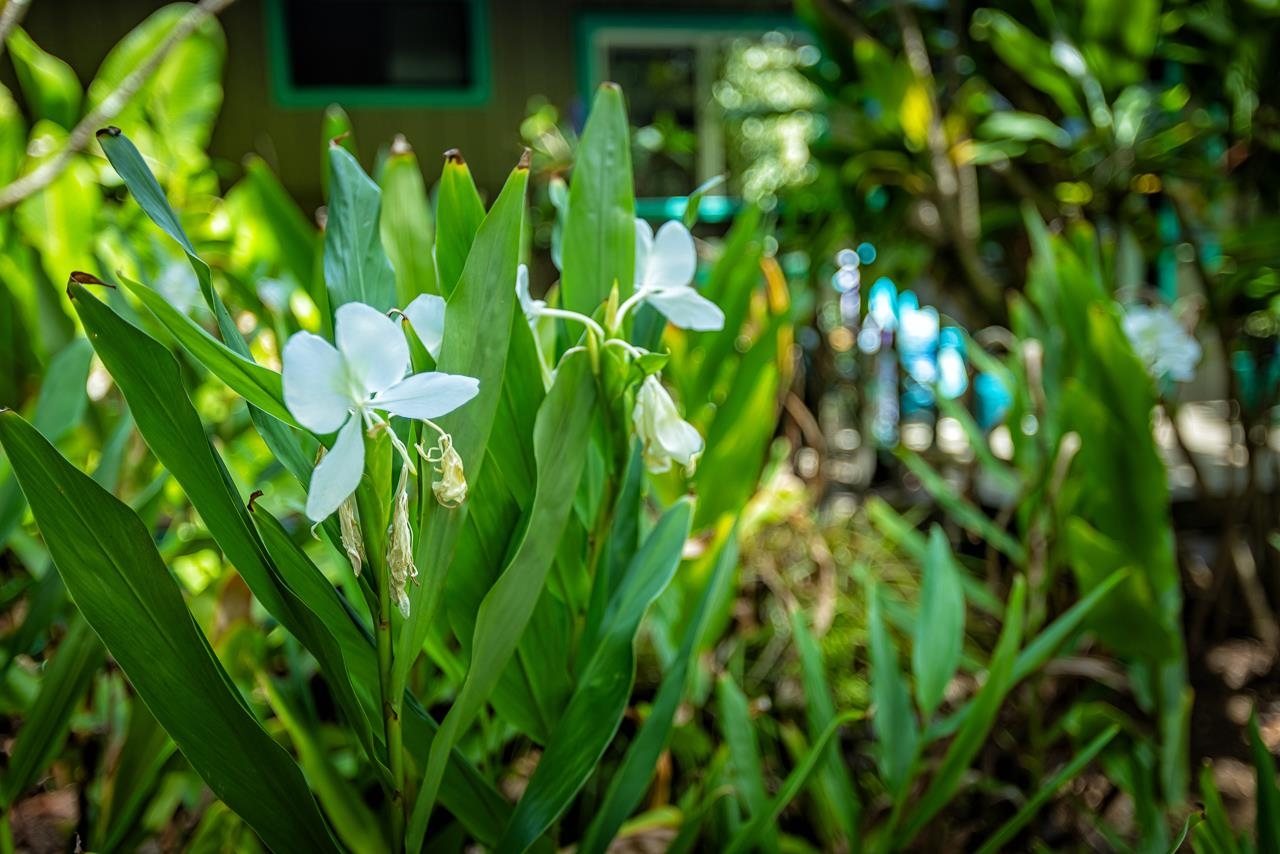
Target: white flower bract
325 386
666 436
1161 342
665 266
426 316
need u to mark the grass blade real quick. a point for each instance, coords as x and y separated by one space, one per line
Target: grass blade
1046 791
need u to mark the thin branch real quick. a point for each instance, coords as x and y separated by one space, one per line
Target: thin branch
957 188
110 107
14 12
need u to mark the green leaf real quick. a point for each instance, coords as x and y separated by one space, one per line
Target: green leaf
600 234
895 722
961 509
475 344
117 579
459 213
744 756
128 163
603 690
632 777
834 780
259 386
50 85
59 408
977 725
406 224
296 238
939 636
751 833
1268 792
149 377
561 439
64 682
356 268
998 840
147 748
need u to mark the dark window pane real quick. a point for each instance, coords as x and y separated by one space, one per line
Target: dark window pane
379 43
662 94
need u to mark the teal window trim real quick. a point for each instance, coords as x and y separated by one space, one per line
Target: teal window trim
712 209
286 94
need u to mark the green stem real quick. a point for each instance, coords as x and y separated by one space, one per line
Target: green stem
390 709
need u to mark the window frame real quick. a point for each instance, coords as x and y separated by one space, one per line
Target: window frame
289 95
664 29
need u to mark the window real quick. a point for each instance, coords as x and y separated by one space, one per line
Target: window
379 53
709 95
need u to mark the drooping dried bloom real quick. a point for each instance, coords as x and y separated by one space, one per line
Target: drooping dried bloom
400 564
451 489
352 540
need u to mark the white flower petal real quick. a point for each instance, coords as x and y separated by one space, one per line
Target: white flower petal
375 351
426 316
687 309
674 259
530 306
427 395
316 390
338 474
644 246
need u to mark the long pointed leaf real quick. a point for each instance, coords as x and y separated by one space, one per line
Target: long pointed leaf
603 689
475 344
600 235
632 777
117 579
561 439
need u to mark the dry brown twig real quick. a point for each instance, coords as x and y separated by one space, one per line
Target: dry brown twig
48 172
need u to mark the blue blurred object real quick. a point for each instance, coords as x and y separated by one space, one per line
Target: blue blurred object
882 304
953 372
866 253
992 399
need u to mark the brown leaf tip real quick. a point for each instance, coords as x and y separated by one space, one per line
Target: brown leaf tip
340 138
79 277
453 155
257 493
109 130
526 157
611 86
400 145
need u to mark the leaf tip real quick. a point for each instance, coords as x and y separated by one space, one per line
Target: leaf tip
109 130
253 497
400 145
526 157
337 141
454 156
79 277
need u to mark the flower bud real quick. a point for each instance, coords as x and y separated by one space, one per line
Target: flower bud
666 436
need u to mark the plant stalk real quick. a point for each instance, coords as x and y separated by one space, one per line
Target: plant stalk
390 708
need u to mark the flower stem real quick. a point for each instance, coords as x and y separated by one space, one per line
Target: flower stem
390 712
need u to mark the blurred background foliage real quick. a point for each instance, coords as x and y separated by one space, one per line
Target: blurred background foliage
1061 623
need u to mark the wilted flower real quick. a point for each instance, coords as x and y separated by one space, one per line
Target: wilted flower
325 386
1161 342
451 489
666 436
352 541
400 565
665 266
